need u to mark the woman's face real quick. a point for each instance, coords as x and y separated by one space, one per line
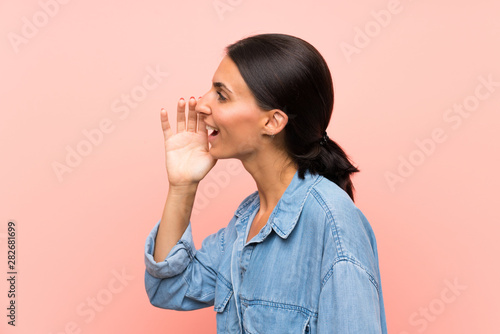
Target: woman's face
234 121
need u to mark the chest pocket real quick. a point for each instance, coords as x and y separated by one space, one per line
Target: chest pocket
222 296
276 318
227 320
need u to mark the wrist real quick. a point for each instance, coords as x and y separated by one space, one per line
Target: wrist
183 189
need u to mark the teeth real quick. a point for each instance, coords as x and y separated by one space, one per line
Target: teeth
209 128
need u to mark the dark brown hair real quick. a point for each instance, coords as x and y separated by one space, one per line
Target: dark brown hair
287 73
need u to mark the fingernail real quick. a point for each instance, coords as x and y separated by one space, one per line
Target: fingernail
199 98
181 99
192 97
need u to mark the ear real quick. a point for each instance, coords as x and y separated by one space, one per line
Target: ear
276 121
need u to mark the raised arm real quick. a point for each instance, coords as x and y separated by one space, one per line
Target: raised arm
188 162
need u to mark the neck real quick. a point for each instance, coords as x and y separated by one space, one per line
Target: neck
272 171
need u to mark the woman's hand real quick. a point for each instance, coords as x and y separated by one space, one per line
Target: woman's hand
186 152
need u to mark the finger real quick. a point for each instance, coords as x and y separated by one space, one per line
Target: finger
202 126
191 125
181 115
165 124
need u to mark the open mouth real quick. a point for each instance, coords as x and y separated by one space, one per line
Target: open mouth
212 132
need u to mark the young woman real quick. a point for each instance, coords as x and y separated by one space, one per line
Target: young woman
298 256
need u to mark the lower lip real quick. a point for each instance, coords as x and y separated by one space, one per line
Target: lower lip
211 138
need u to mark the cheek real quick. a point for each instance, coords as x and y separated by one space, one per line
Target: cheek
247 138
240 124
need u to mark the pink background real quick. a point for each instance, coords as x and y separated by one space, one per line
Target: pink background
428 183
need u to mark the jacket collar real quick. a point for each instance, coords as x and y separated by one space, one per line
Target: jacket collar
287 212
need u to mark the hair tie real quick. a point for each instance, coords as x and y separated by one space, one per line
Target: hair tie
324 139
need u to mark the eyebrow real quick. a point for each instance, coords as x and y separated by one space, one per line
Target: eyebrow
221 85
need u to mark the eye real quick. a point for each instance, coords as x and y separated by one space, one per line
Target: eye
220 97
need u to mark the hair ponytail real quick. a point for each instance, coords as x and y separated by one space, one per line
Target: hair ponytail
330 161
287 73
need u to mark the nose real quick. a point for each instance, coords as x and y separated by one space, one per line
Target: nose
202 106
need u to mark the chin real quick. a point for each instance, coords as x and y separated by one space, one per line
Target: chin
216 154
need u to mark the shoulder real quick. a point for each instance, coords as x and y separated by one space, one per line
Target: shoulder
334 202
347 227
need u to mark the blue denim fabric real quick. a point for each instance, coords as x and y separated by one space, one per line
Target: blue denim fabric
313 268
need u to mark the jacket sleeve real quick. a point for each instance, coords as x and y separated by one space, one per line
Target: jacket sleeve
186 279
350 301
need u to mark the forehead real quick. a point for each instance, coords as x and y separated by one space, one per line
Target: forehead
228 74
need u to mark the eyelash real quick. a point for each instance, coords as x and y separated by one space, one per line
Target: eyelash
220 97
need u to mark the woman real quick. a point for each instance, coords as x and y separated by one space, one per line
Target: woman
298 256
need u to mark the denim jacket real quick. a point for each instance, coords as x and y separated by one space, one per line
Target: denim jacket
313 268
